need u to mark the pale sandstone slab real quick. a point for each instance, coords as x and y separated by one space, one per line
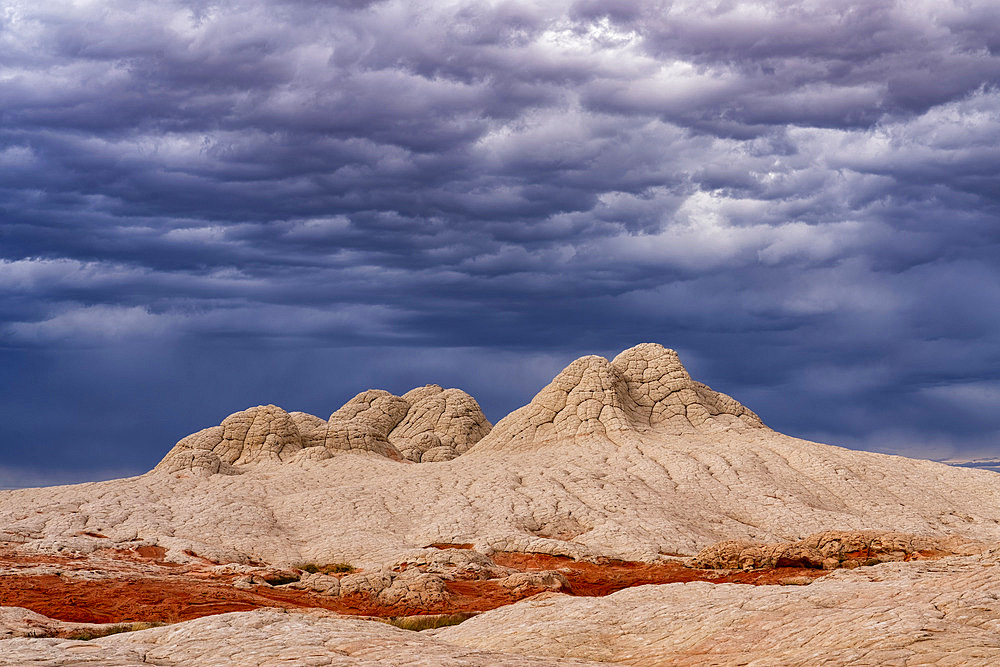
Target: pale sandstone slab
20 622
930 613
629 480
263 637
829 550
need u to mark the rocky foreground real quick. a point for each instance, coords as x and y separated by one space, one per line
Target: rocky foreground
616 518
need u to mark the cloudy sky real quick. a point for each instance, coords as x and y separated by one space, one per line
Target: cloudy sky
211 205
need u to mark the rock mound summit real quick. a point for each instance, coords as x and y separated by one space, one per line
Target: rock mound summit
424 424
644 389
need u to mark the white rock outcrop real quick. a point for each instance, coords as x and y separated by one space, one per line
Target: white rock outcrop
626 459
263 637
944 612
424 425
644 389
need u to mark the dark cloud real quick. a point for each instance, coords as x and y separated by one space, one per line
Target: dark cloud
207 205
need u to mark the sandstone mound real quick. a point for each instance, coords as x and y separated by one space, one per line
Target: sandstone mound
440 424
628 459
644 389
622 460
425 424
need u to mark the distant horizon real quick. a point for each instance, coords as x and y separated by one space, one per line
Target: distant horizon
207 206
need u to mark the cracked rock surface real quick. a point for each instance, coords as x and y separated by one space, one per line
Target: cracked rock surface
425 424
644 389
263 637
945 612
942 612
829 550
627 459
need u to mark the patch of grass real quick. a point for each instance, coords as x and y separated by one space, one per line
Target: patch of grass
97 633
428 621
329 568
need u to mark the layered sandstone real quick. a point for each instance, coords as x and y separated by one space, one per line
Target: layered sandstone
943 612
265 637
643 390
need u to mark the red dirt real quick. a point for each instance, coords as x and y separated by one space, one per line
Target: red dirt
152 553
139 586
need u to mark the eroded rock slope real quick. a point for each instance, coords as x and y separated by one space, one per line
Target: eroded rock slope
265 637
628 458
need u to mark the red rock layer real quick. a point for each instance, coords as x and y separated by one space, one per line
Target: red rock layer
138 586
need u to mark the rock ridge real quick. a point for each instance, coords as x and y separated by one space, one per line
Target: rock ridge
425 424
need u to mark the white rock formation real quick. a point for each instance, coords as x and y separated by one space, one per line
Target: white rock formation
644 390
440 424
628 459
943 612
427 424
263 637
19 622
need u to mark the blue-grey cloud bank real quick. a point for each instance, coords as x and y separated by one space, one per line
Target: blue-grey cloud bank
211 205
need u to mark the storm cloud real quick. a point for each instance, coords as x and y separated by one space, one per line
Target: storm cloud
210 205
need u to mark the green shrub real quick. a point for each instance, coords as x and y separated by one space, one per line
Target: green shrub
97 633
428 621
330 568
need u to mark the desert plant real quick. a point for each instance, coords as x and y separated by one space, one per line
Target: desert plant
428 621
329 568
114 629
